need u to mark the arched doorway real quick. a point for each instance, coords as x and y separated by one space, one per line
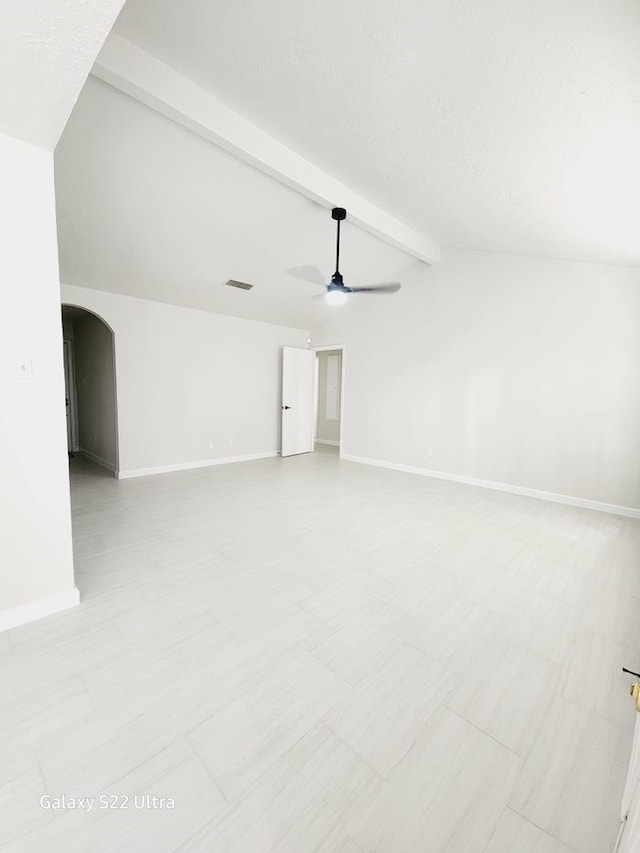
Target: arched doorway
90 387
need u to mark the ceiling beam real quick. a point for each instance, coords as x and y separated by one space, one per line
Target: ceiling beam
135 72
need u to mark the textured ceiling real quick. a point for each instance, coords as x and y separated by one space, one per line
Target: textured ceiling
487 123
148 209
47 48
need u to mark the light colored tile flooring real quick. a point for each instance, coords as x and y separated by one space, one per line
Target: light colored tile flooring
313 655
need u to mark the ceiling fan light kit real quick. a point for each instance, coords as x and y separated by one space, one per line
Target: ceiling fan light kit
335 297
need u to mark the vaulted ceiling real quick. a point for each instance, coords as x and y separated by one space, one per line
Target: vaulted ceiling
146 208
486 124
491 124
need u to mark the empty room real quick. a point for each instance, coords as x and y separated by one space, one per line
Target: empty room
320 430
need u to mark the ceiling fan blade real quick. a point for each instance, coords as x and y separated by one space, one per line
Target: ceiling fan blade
379 288
308 273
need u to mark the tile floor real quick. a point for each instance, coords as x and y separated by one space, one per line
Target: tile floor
313 655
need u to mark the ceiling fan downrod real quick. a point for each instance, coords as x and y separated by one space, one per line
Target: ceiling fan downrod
339 214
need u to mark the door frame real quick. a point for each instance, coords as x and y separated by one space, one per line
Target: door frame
343 349
70 369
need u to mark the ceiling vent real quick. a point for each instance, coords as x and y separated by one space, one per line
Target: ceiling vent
241 285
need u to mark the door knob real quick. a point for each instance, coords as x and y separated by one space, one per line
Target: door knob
286 407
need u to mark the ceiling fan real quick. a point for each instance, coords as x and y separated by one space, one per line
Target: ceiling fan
337 291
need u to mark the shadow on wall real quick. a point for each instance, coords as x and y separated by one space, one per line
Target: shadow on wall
90 386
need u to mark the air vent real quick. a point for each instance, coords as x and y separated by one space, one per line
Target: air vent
241 285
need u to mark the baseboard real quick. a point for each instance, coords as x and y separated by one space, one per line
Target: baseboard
326 441
37 609
569 500
99 460
186 466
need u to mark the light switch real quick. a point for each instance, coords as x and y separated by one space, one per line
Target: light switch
24 368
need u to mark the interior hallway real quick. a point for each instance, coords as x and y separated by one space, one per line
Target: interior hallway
310 654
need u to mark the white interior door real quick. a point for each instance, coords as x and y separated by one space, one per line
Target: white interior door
630 810
298 378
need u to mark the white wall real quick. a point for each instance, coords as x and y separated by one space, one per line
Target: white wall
328 429
35 523
187 378
519 370
95 390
